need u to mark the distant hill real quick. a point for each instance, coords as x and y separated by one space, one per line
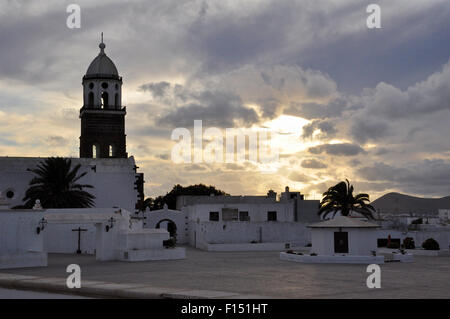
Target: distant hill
397 203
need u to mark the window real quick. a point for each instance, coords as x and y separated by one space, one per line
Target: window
229 214
272 216
111 151
116 100
9 194
91 99
243 217
104 85
91 85
94 151
105 100
214 216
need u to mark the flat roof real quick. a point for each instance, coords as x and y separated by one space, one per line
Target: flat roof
343 222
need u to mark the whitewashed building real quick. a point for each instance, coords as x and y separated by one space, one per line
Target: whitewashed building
237 222
340 240
115 180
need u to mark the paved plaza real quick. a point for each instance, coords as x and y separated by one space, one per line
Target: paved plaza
261 273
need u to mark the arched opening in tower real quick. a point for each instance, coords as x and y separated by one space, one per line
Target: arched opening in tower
111 151
105 100
95 151
116 100
91 99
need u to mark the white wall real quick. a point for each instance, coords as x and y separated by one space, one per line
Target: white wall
113 179
256 211
246 232
439 233
361 241
18 232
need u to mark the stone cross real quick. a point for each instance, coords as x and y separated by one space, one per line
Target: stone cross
79 230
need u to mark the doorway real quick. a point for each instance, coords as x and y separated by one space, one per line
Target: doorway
341 242
171 227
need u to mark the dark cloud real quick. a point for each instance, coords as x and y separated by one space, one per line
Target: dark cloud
158 90
214 108
368 128
327 129
318 111
343 149
427 177
312 163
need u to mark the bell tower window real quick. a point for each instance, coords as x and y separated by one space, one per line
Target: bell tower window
111 151
95 151
90 99
105 100
116 101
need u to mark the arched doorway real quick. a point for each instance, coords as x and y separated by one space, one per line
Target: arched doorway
171 227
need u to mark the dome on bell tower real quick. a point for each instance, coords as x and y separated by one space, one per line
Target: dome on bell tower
102 66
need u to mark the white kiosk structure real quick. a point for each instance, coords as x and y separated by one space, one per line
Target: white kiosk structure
341 240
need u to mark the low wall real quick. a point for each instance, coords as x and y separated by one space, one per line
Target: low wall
21 245
439 233
246 247
248 232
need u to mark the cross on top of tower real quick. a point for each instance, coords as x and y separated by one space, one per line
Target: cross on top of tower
102 46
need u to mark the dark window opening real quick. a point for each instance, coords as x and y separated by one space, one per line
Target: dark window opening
9 194
116 101
91 99
272 216
230 214
214 216
243 217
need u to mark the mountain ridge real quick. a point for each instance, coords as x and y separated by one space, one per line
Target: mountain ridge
397 203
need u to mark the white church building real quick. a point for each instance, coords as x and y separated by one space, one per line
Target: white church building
102 145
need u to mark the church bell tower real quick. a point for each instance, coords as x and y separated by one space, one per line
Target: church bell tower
102 115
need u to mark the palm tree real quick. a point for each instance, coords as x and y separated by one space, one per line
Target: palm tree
56 185
340 198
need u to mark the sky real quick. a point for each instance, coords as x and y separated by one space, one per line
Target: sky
370 105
